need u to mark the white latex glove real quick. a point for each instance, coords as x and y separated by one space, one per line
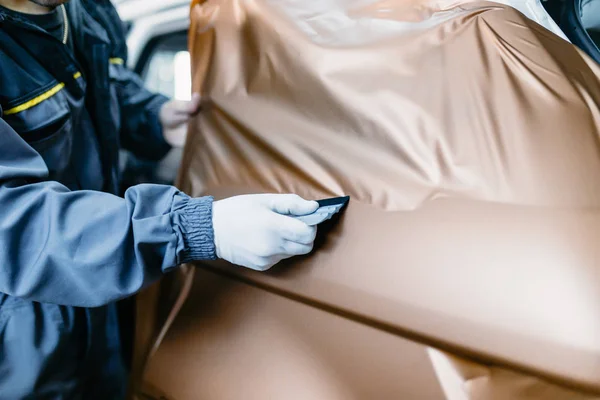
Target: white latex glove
255 231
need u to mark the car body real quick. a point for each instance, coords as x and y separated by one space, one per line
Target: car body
157 43
436 283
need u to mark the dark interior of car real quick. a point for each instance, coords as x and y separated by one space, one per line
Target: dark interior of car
580 21
590 17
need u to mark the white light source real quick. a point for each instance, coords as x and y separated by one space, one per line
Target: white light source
182 75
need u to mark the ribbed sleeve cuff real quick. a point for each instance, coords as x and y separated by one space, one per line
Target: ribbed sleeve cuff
193 217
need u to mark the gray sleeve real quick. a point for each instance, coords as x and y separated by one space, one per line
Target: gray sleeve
86 248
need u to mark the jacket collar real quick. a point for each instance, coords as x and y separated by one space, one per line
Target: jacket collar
80 16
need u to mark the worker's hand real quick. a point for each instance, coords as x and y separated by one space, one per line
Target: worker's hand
256 231
174 116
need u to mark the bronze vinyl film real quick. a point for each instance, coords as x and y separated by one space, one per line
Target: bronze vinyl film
467 138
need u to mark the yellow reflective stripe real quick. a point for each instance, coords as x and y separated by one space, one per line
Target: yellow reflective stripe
36 100
116 60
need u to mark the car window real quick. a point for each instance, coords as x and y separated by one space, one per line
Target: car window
166 66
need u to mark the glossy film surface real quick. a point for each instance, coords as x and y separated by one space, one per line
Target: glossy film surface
467 137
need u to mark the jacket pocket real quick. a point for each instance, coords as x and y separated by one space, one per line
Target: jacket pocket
46 131
56 147
39 114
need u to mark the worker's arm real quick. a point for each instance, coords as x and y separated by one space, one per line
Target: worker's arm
150 123
88 248
141 126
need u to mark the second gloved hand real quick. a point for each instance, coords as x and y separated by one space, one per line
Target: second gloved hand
256 231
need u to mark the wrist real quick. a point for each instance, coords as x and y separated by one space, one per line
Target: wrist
192 218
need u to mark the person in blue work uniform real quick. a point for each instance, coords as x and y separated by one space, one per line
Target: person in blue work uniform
69 246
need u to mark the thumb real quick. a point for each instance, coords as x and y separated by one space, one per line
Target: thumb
291 204
194 104
186 107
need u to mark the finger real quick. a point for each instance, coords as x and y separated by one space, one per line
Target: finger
291 204
194 105
297 249
187 107
182 108
263 263
178 119
296 231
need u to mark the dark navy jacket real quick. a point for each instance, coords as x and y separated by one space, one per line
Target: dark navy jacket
69 247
